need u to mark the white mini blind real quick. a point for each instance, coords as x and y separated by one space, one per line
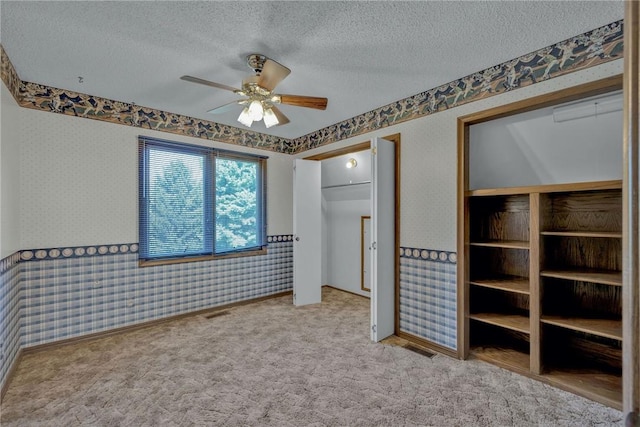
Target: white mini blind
196 201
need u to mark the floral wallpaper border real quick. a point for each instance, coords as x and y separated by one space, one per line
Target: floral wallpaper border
9 75
586 50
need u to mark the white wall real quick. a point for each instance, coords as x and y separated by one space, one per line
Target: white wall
343 243
429 160
79 181
335 172
9 173
531 149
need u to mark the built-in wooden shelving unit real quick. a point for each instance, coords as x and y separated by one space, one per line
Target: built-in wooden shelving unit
544 284
540 266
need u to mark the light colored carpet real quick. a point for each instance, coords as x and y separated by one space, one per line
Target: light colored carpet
270 363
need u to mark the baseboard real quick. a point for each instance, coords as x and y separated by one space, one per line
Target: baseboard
10 374
428 344
344 290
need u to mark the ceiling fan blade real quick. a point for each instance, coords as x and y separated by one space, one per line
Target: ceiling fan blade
225 107
272 74
304 101
208 83
282 119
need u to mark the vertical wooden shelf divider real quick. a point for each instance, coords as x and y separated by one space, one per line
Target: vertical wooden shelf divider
535 357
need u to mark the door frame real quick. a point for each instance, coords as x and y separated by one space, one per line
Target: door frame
630 217
395 138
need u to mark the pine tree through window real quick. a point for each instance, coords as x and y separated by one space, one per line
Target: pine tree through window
199 202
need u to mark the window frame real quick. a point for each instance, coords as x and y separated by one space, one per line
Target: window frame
209 191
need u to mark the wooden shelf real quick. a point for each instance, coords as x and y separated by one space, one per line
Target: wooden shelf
600 234
604 277
551 188
595 385
514 322
509 244
507 358
602 327
515 284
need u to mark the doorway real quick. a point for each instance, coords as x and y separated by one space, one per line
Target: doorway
346 198
383 157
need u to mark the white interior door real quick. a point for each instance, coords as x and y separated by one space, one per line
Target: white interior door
382 238
307 233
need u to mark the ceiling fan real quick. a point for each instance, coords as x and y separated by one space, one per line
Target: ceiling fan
260 102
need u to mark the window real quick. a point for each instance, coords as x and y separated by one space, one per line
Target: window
199 202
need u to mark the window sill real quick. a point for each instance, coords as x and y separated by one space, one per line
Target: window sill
169 261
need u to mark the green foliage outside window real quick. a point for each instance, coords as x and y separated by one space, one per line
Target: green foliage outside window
176 211
236 207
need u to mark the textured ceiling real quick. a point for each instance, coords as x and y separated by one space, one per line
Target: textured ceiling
360 55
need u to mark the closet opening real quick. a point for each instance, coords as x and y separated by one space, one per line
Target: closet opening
357 238
346 199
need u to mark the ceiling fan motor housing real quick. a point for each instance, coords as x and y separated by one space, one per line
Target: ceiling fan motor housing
255 61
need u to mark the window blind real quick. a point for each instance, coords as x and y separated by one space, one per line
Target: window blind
196 201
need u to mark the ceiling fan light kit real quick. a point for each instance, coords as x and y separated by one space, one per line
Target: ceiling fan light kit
260 100
256 112
270 118
245 117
